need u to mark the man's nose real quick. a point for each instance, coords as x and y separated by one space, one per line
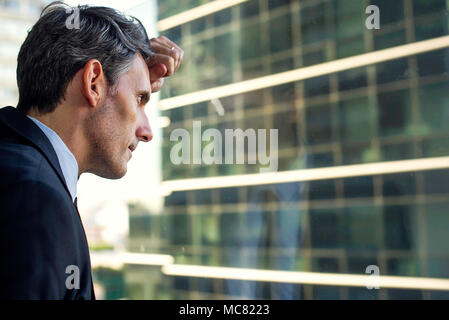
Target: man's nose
144 132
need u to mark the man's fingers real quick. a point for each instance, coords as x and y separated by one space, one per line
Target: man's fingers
164 45
165 41
167 61
173 52
157 85
157 71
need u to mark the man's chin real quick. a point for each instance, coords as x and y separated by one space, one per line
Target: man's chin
112 174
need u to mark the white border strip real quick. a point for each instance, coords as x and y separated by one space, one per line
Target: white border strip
196 13
368 169
315 278
305 73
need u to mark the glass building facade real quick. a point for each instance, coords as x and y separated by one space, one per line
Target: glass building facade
16 18
382 113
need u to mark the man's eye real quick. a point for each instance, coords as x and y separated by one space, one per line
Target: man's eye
142 99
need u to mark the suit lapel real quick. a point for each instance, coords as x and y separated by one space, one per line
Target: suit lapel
27 129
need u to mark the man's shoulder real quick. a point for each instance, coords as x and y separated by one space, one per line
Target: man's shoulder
23 162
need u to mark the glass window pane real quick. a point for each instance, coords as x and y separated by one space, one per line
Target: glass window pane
280 34
393 112
355 118
335 192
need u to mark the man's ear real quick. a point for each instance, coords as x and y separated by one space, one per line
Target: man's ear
94 82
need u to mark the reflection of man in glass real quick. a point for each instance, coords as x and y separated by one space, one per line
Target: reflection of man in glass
82 93
269 238
282 233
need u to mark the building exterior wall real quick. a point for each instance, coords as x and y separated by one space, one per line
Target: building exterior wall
16 18
394 110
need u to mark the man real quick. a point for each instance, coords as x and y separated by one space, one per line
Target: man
82 93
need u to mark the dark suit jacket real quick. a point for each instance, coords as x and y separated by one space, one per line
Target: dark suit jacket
42 240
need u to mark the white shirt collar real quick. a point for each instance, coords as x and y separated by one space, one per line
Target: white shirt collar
67 160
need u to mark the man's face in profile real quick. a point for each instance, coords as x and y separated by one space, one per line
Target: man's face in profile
114 130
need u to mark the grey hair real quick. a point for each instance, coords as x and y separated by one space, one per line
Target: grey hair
52 53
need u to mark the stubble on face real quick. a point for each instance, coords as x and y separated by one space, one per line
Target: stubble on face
105 136
111 129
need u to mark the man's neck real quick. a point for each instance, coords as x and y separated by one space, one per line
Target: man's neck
68 127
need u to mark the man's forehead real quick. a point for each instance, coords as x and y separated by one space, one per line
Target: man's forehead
138 73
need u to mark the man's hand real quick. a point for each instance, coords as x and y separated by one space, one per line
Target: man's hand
165 61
